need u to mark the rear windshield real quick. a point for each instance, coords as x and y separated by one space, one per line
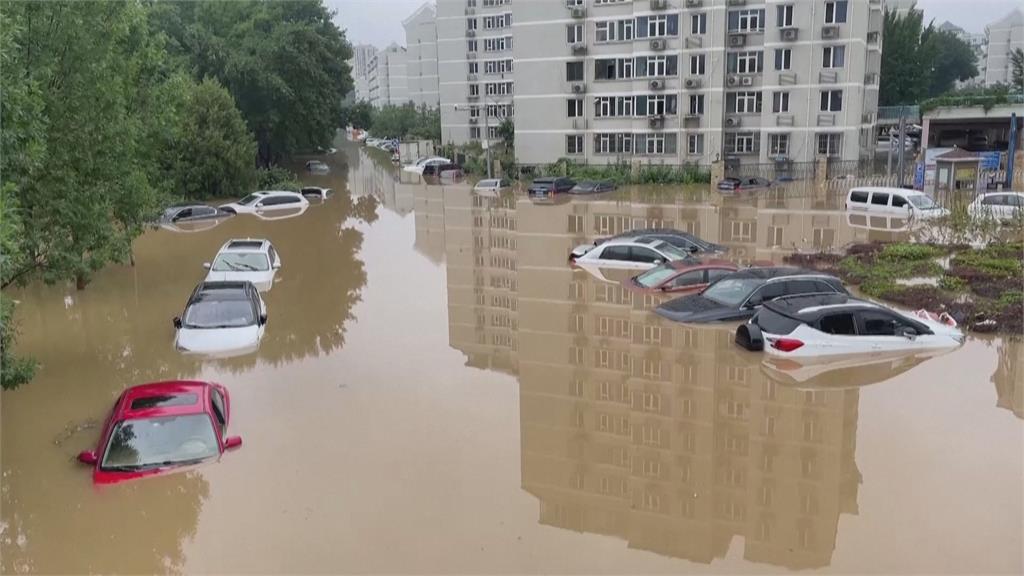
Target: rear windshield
861 197
775 323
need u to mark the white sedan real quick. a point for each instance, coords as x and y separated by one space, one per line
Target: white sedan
634 253
221 319
266 202
418 166
1001 205
248 260
825 325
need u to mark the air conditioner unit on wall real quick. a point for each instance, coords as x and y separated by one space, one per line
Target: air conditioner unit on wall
656 121
657 44
830 31
790 34
579 12
579 88
693 82
659 4
747 81
657 84
736 40
579 48
694 3
732 81
470 33
732 122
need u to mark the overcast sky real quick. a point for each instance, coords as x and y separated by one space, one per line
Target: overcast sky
379 22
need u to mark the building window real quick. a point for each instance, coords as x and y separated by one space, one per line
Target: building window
471 24
657 26
835 12
655 144
745 62
697 65
695 144
471 46
574 71
474 90
601 31
743 102
741 143
497 44
697 104
783 59
830 144
497 66
785 15
746 20
831 100
699 23
656 66
778 144
574 33
780 102
833 57
474 67
574 108
656 105
496 22
474 132
574 144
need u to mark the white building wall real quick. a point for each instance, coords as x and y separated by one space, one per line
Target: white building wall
421 44
1004 36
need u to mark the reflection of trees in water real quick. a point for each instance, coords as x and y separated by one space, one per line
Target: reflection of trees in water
138 527
1009 376
121 450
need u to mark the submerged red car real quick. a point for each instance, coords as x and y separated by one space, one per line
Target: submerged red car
159 427
686 276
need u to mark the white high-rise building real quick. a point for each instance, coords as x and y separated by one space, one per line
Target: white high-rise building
421 62
665 81
1004 36
387 77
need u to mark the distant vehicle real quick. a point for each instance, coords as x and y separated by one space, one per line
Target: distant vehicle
191 217
493 185
317 167
221 319
161 427
739 295
250 260
884 144
627 253
418 166
680 276
682 240
893 202
838 324
592 187
266 201
1001 205
315 192
438 169
743 184
542 187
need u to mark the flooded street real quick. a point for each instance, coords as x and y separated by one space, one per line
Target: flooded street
439 392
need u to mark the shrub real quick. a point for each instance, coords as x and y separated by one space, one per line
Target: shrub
277 178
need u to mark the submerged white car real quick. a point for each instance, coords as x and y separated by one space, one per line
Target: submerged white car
422 163
259 202
221 319
636 253
250 260
1001 205
823 325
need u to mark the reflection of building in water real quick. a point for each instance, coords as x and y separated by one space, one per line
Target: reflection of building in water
663 435
1009 377
428 209
480 251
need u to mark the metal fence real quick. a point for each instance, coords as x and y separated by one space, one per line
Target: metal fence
778 171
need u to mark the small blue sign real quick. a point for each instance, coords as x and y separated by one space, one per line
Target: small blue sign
990 160
919 176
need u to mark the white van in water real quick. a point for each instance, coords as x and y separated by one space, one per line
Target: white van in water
893 202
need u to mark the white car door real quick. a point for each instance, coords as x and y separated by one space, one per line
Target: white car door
615 256
643 258
837 334
882 331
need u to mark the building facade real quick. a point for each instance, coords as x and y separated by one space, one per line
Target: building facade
387 77
361 56
1004 36
421 62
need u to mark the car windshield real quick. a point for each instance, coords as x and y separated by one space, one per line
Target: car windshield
922 202
241 262
655 276
671 251
219 314
249 199
731 291
163 441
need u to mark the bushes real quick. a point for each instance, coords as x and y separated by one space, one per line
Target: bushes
622 173
277 178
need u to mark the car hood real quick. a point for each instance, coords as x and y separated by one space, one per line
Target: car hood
697 309
219 342
239 208
262 280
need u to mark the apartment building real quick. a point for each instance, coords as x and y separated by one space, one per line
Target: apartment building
674 81
421 56
361 56
475 64
386 77
1004 36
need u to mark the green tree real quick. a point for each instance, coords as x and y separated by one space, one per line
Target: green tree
358 115
952 60
1017 64
284 63
211 152
507 133
14 371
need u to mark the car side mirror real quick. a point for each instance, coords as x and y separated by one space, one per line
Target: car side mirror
908 332
262 319
177 322
232 442
277 264
206 265
87 457
658 262
693 249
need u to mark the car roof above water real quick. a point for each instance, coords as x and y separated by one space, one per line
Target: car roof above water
811 307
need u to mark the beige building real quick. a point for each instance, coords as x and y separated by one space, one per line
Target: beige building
421 57
1004 36
387 78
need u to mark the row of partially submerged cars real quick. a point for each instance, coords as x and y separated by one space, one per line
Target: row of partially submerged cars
786 311
163 426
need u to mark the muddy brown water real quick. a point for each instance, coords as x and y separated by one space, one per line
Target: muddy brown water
438 392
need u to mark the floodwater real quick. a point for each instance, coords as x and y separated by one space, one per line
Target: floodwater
438 392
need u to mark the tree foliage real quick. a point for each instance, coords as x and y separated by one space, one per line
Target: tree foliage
358 115
920 61
284 63
1017 66
407 121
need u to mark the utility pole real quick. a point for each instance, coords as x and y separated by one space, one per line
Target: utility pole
486 140
902 141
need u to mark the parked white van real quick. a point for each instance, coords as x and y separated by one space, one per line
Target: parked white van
893 202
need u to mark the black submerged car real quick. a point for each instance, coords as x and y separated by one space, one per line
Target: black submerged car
682 240
740 294
549 186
